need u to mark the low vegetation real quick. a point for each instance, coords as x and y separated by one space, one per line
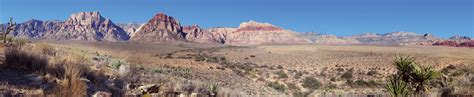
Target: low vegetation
311 83
410 78
276 86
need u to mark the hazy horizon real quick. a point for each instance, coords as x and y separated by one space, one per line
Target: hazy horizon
342 18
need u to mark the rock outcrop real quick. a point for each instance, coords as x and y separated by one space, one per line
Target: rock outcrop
318 38
456 41
89 26
35 29
129 28
161 28
394 38
255 33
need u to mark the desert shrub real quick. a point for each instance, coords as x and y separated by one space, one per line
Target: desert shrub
340 69
311 83
276 86
300 94
298 75
347 75
25 59
71 87
19 41
222 58
252 56
199 58
372 72
360 82
212 60
292 86
71 83
169 56
116 63
46 49
213 89
332 79
157 70
281 74
279 67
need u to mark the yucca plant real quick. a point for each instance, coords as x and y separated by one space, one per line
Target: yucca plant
410 76
421 77
397 87
213 89
404 66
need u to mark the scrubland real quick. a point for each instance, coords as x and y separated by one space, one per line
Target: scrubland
125 68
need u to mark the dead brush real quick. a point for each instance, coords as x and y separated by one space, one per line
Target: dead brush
24 58
71 83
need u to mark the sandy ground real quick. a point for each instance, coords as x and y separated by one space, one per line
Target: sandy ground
311 59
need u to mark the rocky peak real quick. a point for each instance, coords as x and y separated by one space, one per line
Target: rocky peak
400 33
193 28
257 26
159 29
459 38
89 26
87 18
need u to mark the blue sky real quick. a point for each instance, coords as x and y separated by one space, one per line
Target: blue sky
442 18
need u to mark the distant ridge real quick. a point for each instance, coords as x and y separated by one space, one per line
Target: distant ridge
91 26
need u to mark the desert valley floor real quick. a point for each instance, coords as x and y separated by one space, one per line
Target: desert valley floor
281 69
287 64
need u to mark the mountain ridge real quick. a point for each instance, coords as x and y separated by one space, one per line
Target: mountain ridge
91 26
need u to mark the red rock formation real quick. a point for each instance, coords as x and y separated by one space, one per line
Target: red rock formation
446 43
255 33
469 43
160 28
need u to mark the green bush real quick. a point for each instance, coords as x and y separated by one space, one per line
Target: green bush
292 86
115 63
276 86
281 74
213 89
311 83
300 94
212 60
347 75
199 58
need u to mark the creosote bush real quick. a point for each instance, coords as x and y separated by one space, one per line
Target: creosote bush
311 83
281 74
277 86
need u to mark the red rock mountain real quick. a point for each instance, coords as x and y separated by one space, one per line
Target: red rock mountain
255 33
456 41
161 28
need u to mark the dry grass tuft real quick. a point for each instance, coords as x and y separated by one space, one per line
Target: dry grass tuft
71 84
24 58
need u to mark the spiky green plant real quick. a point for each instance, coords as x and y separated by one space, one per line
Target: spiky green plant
213 89
404 66
413 76
397 87
421 77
